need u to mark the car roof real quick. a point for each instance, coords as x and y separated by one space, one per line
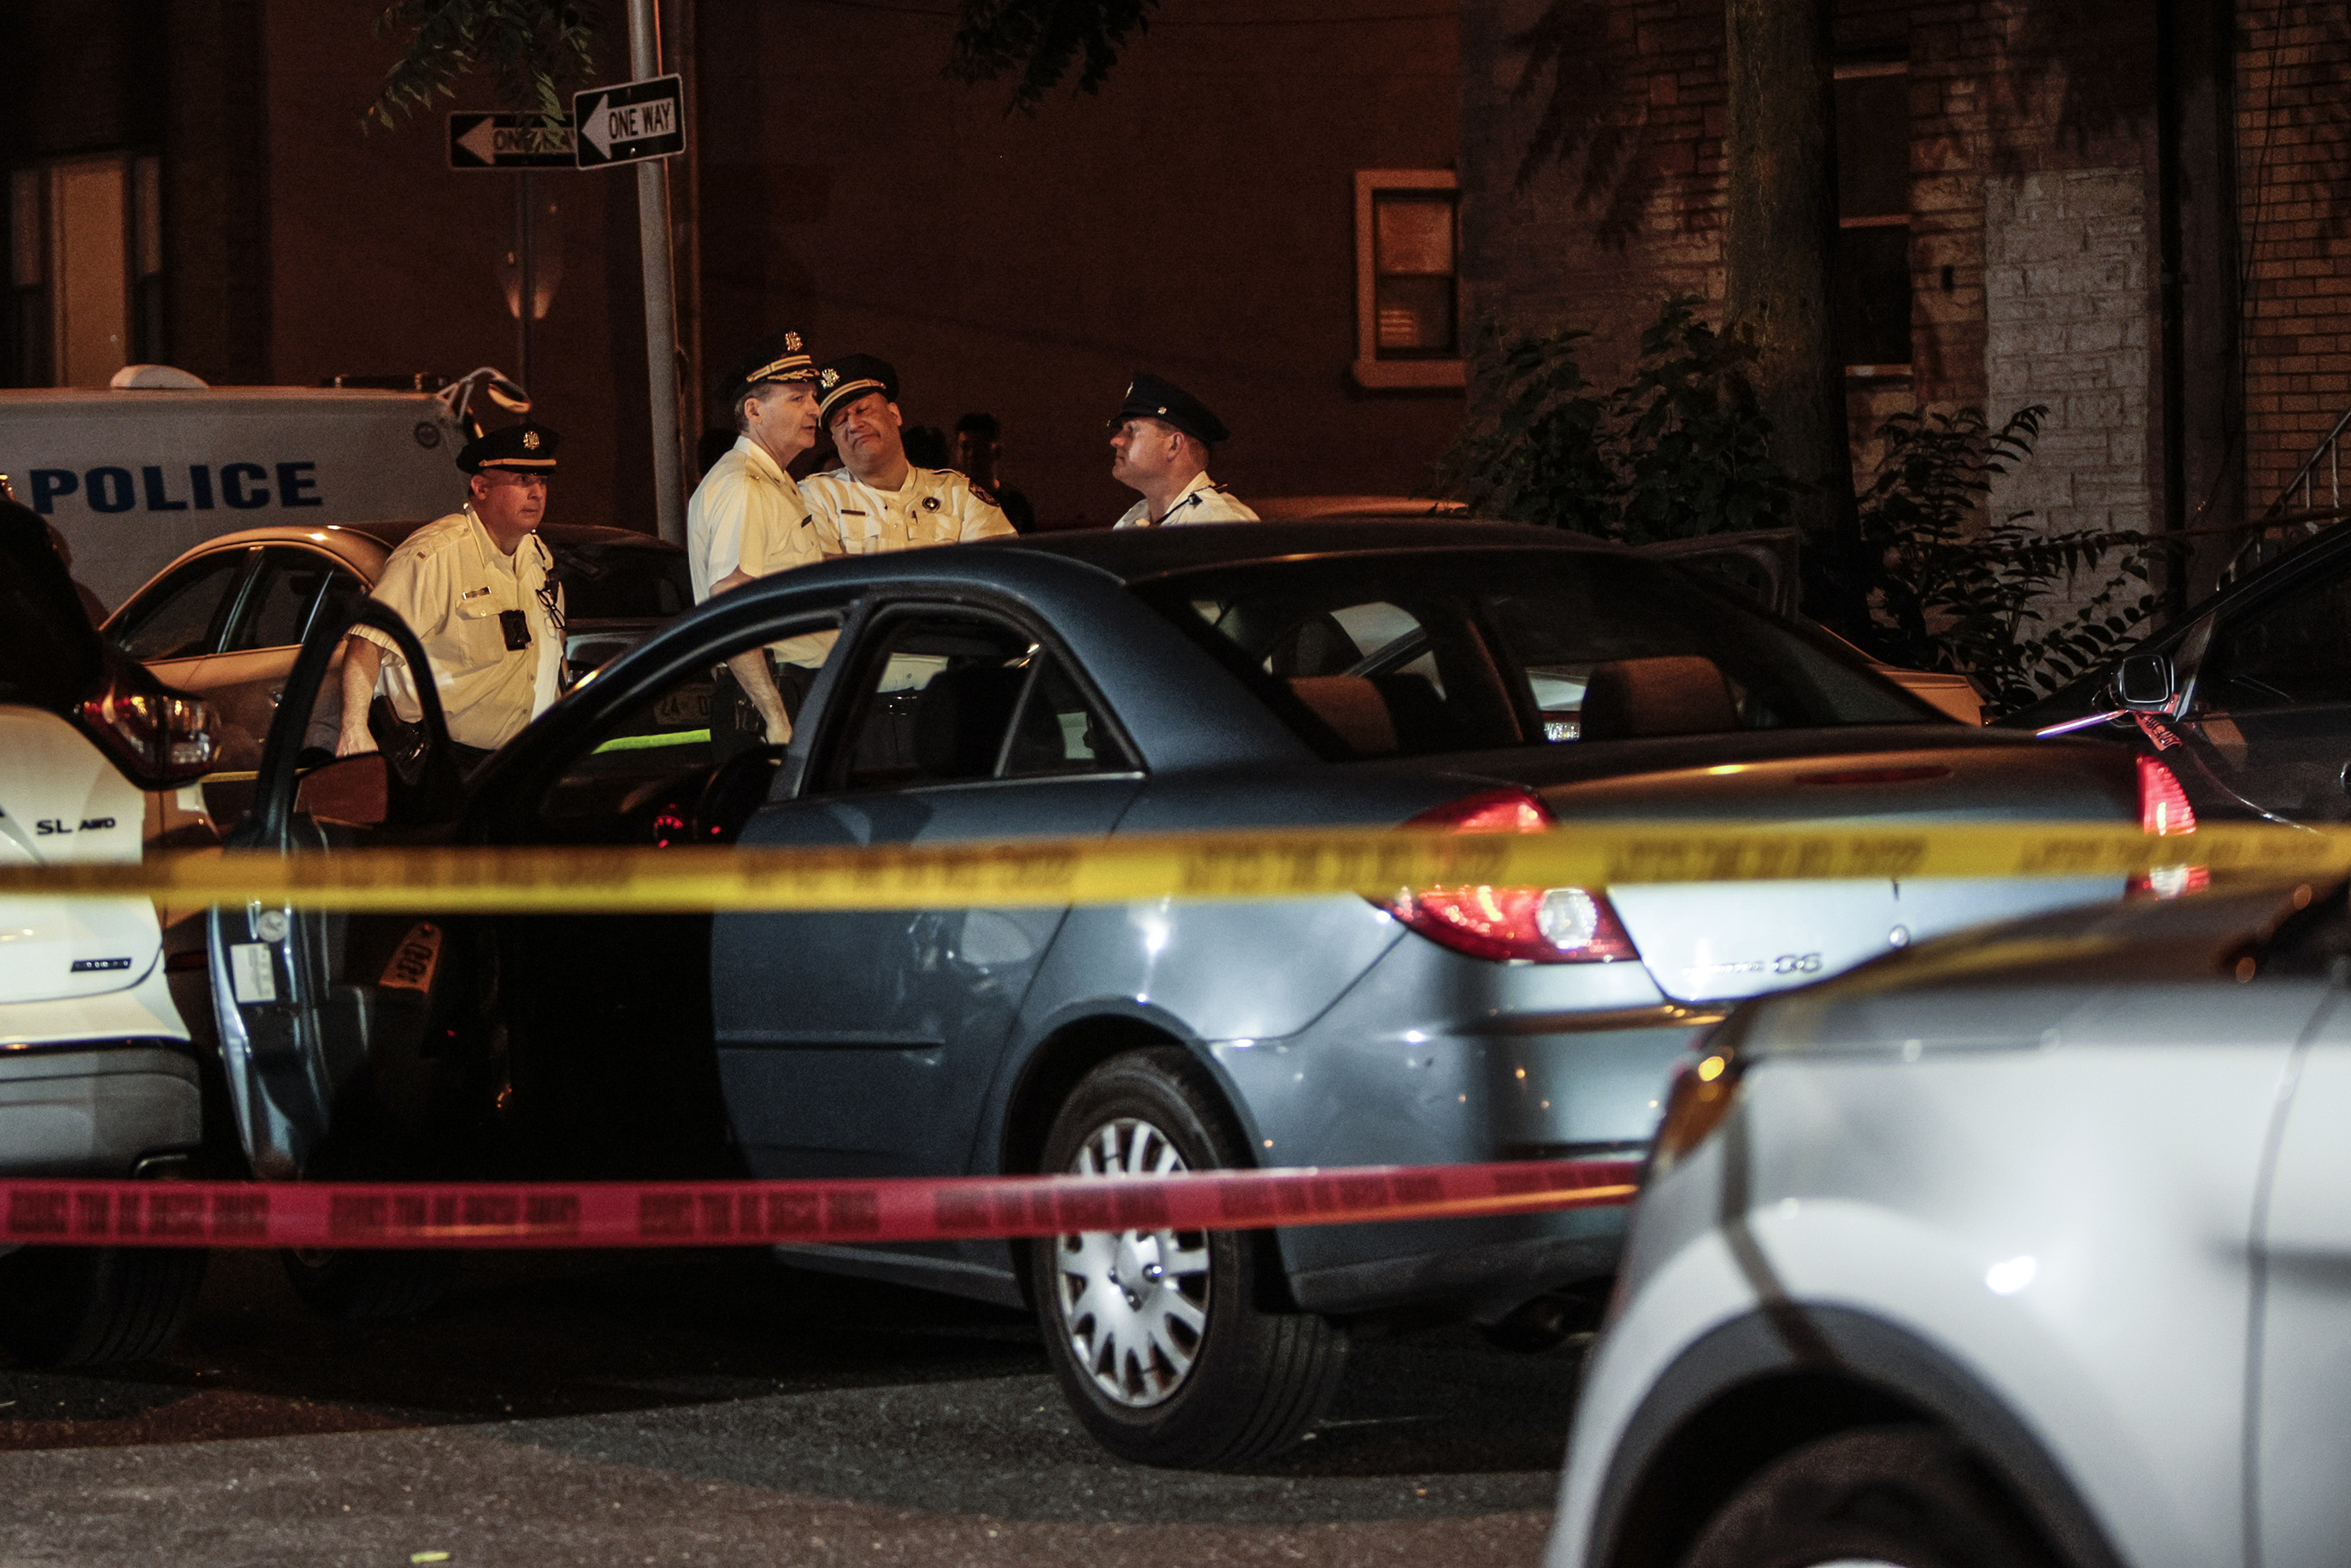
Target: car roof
389 532
1136 555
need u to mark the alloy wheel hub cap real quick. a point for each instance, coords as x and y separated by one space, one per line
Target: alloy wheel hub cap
1134 1304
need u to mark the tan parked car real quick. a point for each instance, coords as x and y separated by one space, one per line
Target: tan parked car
224 621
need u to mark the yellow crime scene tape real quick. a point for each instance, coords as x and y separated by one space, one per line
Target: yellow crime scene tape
1290 864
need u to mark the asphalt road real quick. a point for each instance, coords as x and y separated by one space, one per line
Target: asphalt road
718 1410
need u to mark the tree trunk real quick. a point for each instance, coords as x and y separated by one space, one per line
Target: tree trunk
1780 154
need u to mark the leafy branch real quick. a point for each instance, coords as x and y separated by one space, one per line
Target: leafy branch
1040 41
1951 593
534 50
1678 450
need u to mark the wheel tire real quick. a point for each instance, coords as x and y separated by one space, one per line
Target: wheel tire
1255 1379
1901 1496
368 1287
80 1306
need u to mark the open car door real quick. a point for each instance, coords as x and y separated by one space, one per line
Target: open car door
339 1058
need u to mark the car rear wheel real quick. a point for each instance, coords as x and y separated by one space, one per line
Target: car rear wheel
80 1306
1160 1339
1883 1497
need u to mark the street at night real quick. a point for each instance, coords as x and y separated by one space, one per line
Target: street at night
1176 783
713 1408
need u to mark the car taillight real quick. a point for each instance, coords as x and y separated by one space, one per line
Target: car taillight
159 739
1529 924
2163 805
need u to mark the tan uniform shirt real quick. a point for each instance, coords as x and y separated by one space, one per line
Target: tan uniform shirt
1203 501
933 507
450 581
748 515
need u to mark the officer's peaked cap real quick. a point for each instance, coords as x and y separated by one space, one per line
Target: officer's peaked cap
1148 397
843 381
778 356
522 448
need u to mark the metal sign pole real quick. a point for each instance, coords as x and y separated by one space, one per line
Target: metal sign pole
661 296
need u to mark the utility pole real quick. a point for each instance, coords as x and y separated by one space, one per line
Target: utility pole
1779 152
660 292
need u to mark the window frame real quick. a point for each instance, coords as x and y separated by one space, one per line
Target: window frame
258 581
248 561
845 706
1862 69
1372 373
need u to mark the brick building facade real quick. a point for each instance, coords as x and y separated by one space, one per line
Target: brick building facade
1198 217
2133 212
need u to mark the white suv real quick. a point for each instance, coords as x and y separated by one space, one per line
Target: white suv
97 1075
2031 1247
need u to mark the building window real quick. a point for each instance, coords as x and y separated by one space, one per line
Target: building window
86 264
1869 276
1408 294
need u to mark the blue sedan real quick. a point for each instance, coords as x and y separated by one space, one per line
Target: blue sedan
1484 678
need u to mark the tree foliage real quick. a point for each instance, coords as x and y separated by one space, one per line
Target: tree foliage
1676 451
1953 591
1038 42
1679 451
536 52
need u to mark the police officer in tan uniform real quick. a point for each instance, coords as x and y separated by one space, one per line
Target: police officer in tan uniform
1160 442
474 588
748 520
876 500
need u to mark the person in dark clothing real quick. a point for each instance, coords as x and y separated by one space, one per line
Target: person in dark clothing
978 446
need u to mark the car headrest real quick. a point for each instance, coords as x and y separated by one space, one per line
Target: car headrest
1352 705
1678 695
960 719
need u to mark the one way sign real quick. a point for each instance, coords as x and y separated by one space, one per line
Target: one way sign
629 121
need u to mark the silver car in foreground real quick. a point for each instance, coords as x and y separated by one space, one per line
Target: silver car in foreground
2029 1246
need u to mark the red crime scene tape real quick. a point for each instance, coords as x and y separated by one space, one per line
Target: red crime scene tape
742 1214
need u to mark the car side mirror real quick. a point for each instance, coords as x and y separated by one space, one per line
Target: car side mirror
2144 682
353 790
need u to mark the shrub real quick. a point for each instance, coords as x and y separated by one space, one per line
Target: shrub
1678 450
1950 591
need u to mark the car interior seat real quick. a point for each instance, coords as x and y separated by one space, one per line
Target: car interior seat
1681 694
1354 709
960 719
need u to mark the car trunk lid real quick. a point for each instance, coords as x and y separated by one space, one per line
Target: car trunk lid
1711 942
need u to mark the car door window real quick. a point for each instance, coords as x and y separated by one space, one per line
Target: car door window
2294 652
642 774
945 699
1060 731
276 610
181 616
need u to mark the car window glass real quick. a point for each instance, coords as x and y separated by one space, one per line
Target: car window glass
641 776
1501 648
2291 653
621 582
276 608
935 703
181 617
1059 731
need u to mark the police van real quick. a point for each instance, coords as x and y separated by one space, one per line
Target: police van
132 475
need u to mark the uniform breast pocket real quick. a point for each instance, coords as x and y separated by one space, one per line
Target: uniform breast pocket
480 633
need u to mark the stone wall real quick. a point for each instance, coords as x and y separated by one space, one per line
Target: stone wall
2066 325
